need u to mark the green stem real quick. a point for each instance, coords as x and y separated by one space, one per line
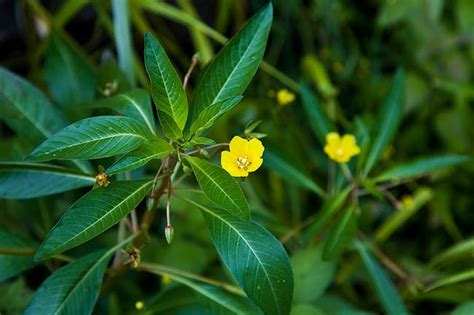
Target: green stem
169 271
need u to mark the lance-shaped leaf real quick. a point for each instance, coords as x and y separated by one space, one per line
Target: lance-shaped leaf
231 71
70 78
166 89
94 213
20 180
315 115
329 208
135 104
93 138
384 288
74 288
388 120
12 265
255 258
210 114
276 162
220 187
341 234
26 110
152 149
230 302
420 167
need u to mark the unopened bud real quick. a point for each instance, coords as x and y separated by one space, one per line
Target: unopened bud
169 233
149 203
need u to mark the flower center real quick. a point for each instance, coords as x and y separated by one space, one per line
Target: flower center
339 151
243 162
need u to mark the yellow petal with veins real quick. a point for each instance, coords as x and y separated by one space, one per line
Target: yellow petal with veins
238 146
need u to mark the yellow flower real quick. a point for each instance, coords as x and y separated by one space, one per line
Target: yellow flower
139 305
285 97
166 279
244 156
341 149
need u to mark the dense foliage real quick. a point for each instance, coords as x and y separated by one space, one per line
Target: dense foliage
132 135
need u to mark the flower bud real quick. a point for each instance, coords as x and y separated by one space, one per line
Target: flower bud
169 233
149 203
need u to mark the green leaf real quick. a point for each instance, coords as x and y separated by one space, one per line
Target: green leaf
452 279
231 302
210 114
12 265
420 167
220 187
151 150
329 208
70 79
421 197
255 258
388 120
135 103
280 165
26 110
20 180
315 115
123 40
93 138
94 213
459 251
385 290
74 288
306 309
464 309
341 234
231 71
313 275
166 89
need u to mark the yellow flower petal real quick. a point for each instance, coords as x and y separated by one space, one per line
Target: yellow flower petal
333 139
255 149
348 141
285 97
229 163
228 160
255 165
238 146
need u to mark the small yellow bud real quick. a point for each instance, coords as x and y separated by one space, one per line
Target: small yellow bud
285 97
166 279
139 305
407 201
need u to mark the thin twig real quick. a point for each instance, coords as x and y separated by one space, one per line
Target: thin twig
207 148
156 268
194 62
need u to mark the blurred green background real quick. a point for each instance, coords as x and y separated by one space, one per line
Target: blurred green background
347 52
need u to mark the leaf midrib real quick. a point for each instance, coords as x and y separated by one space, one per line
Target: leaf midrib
248 245
238 63
85 177
105 256
134 104
32 121
105 215
225 193
173 113
115 135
